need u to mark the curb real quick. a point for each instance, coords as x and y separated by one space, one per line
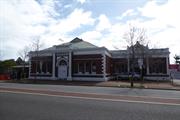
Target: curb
141 88
91 85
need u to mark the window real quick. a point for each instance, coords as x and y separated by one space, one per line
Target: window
44 67
81 68
85 67
75 67
38 70
93 68
88 68
49 69
157 65
116 68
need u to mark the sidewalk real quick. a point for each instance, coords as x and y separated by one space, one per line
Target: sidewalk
176 82
146 85
121 84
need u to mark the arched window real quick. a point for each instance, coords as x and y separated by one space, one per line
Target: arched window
62 62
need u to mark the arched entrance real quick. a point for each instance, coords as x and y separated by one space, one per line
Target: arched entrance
62 69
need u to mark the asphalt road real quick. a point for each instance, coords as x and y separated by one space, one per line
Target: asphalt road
18 106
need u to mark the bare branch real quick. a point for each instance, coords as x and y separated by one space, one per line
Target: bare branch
37 45
24 53
132 36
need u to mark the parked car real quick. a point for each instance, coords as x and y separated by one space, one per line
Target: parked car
135 75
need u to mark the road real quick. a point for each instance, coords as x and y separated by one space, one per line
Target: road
26 105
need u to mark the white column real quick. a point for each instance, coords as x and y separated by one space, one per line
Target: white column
147 66
53 66
167 65
70 66
41 63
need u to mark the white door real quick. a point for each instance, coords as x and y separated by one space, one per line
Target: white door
62 72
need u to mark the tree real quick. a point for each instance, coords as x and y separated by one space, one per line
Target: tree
6 65
177 59
24 55
134 36
36 45
19 61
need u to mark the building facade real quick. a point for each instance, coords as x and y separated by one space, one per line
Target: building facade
80 60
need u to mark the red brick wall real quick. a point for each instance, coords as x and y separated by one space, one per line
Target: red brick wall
83 59
109 65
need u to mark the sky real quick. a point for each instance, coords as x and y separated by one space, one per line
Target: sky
100 22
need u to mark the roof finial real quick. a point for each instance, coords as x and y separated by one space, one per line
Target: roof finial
76 40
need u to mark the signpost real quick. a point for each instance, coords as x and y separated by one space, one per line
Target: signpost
140 63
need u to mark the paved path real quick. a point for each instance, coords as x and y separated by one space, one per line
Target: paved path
176 82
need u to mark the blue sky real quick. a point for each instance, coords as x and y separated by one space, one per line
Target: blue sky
101 22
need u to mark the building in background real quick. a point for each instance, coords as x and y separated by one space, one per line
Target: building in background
81 60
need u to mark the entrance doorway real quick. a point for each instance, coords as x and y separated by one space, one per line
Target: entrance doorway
62 70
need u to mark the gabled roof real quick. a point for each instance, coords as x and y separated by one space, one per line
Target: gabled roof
138 46
74 44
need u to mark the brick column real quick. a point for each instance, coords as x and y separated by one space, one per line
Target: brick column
167 65
104 65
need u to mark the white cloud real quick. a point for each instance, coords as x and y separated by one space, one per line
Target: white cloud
68 6
164 26
60 29
165 13
91 36
22 20
129 12
73 21
81 1
49 7
103 24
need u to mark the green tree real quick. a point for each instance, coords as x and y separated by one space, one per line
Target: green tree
6 65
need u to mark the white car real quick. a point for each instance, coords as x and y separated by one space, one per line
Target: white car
136 76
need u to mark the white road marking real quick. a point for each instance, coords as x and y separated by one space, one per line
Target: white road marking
91 98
